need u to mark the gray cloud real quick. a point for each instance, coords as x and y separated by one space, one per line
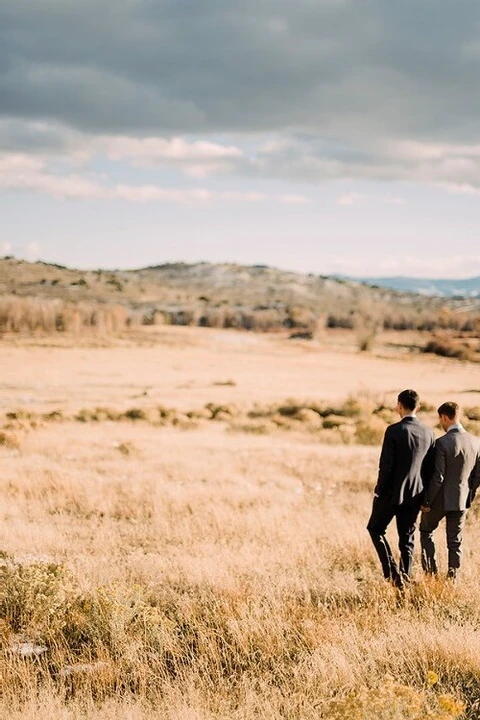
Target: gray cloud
345 82
260 65
310 159
17 135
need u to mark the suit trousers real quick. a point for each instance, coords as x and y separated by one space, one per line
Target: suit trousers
405 515
455 522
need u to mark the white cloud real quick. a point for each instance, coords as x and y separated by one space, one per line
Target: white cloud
206 170
197 158
153 193
31 251
415 150
355 199
275 145
21 172
177 148
249 197
302 158
351 199
5 248
294 200
19 165
34 174
391 200
460 188
315 159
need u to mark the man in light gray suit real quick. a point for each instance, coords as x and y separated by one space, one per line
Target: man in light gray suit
451 489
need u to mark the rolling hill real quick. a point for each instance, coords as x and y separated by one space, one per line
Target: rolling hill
206 283
230 295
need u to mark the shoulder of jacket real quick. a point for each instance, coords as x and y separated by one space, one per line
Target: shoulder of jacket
393 427
443 439
474 439
424 428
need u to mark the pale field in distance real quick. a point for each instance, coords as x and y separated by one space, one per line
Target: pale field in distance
197 571
183 366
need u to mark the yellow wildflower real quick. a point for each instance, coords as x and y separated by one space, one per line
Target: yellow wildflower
451 705
432 678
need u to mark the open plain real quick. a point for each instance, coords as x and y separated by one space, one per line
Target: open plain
182 532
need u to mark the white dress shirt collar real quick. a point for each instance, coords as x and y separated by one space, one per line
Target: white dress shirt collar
456 426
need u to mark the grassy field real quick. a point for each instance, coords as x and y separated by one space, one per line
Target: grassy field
182 533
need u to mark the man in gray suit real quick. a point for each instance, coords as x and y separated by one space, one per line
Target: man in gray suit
451 489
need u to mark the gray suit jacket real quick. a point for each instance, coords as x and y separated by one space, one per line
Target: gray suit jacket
457 471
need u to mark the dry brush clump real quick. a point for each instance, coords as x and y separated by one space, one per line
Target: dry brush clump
36 314
361 419
471 419
357 420
10 439
452 348
364 316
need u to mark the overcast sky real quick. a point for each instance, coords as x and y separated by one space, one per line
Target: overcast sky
317 135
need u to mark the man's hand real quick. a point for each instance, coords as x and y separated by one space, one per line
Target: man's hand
425 508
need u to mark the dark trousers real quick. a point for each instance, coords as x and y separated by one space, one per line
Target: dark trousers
455 522
405 515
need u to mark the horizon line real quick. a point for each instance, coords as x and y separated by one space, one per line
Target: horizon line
365 278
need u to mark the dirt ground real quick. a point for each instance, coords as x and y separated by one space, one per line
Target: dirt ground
188 367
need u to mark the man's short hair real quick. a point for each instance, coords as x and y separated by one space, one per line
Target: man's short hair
450 409
409 399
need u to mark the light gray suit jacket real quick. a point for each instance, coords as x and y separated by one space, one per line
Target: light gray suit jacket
457 471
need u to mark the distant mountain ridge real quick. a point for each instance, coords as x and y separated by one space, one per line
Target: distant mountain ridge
440 287
258 286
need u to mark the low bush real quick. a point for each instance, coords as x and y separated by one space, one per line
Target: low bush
370 431
32 315
472 413
393 700
361 419
10 439
448 348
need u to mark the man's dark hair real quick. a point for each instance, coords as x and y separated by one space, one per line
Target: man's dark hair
409 399
450 409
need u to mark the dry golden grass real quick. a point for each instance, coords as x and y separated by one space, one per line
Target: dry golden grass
210 574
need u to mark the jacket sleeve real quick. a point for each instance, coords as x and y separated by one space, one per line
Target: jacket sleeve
438 476
386 464
474 479
428 465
